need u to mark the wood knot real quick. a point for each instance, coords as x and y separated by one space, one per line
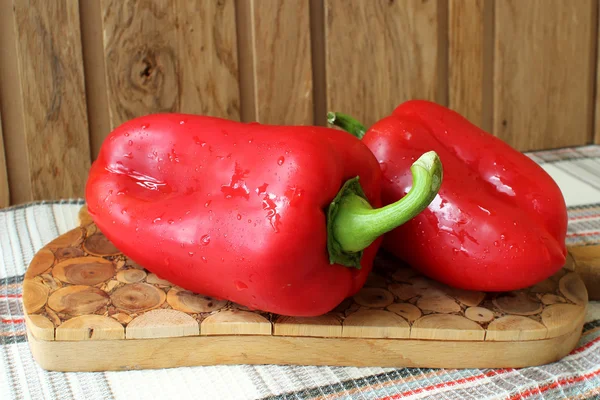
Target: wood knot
151 81
149 65
148 69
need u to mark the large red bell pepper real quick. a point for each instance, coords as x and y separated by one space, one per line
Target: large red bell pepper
275 218
499 220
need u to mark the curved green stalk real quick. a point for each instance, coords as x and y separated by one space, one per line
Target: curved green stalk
347 123
352 223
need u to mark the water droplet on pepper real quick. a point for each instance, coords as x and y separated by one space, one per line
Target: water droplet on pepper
261 189
294 195
237 186
383 165
271 207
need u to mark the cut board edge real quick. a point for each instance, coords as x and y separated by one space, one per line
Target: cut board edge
139 354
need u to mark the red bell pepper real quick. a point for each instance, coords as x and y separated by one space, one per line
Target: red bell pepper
499 220
276 218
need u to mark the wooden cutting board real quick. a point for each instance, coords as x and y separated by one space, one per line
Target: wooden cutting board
90 308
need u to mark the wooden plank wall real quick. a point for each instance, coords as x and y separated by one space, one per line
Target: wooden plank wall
72 70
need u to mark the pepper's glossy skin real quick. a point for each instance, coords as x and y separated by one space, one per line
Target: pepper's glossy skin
499 220
230 210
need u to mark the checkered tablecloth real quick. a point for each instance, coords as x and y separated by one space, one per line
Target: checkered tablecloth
25 229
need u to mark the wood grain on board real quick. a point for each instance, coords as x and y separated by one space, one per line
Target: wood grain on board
170 56
382 53
52 90
172 352
543 75
469 42
81 288
4 189
282 62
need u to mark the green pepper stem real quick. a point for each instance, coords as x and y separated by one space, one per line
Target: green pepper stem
353 224
347 123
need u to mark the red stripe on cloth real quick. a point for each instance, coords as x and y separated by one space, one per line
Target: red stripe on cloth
13 321
11 296
499 372
585 346
449 383
575 234
554 385
584 217
13 333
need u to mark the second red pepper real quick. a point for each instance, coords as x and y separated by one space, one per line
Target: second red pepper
499 220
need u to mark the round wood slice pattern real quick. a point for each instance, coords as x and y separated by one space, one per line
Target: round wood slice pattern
81 287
